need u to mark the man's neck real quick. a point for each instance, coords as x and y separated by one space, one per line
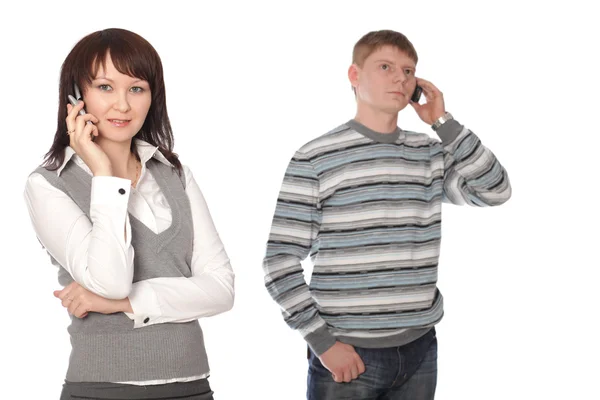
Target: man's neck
376 120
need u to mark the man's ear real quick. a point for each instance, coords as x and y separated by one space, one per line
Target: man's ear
353 75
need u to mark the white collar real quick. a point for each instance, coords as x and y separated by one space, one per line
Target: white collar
145 151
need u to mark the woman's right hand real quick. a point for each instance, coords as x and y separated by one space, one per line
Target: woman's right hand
80 136
80 301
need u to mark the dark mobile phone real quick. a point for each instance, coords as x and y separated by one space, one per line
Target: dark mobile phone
416 96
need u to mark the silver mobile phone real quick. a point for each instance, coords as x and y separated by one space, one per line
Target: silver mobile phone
75 100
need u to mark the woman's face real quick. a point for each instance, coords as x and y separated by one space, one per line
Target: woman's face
120 102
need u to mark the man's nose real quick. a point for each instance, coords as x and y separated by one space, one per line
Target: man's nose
400 76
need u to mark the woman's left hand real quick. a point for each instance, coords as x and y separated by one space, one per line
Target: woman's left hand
80 301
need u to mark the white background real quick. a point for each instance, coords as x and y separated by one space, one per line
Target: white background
247 84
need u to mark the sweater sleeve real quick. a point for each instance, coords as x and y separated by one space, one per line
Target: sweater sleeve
472 174
294 231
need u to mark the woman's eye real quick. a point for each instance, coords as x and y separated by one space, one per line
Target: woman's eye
385 67
137 89
104 87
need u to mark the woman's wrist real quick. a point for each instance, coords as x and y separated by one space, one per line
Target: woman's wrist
123 305
127 305
103 172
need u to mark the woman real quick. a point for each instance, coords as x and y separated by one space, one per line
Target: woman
138 255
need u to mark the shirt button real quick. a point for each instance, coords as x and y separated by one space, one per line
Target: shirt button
122 191
146 320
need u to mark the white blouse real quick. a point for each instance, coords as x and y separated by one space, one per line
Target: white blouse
99 256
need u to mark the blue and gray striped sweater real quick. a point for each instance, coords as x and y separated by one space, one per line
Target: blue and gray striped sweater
366 207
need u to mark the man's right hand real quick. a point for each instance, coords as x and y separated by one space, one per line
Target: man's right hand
343 362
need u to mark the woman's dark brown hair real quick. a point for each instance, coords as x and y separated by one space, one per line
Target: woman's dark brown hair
132 55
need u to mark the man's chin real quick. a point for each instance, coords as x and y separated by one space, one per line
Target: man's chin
395 109
392 109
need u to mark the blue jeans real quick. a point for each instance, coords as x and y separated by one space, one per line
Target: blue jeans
406 372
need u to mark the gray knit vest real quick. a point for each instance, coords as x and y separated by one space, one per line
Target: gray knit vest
106 348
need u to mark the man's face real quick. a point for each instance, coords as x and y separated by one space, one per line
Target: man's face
386 80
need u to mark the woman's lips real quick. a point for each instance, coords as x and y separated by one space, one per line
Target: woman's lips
119 122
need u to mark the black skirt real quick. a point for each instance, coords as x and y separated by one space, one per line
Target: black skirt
194 390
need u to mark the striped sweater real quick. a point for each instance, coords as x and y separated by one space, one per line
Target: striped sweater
366 207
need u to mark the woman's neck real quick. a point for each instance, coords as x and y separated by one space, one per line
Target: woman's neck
122 160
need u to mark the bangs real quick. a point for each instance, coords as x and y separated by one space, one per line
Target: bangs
130 53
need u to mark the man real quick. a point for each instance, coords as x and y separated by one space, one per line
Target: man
364 200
